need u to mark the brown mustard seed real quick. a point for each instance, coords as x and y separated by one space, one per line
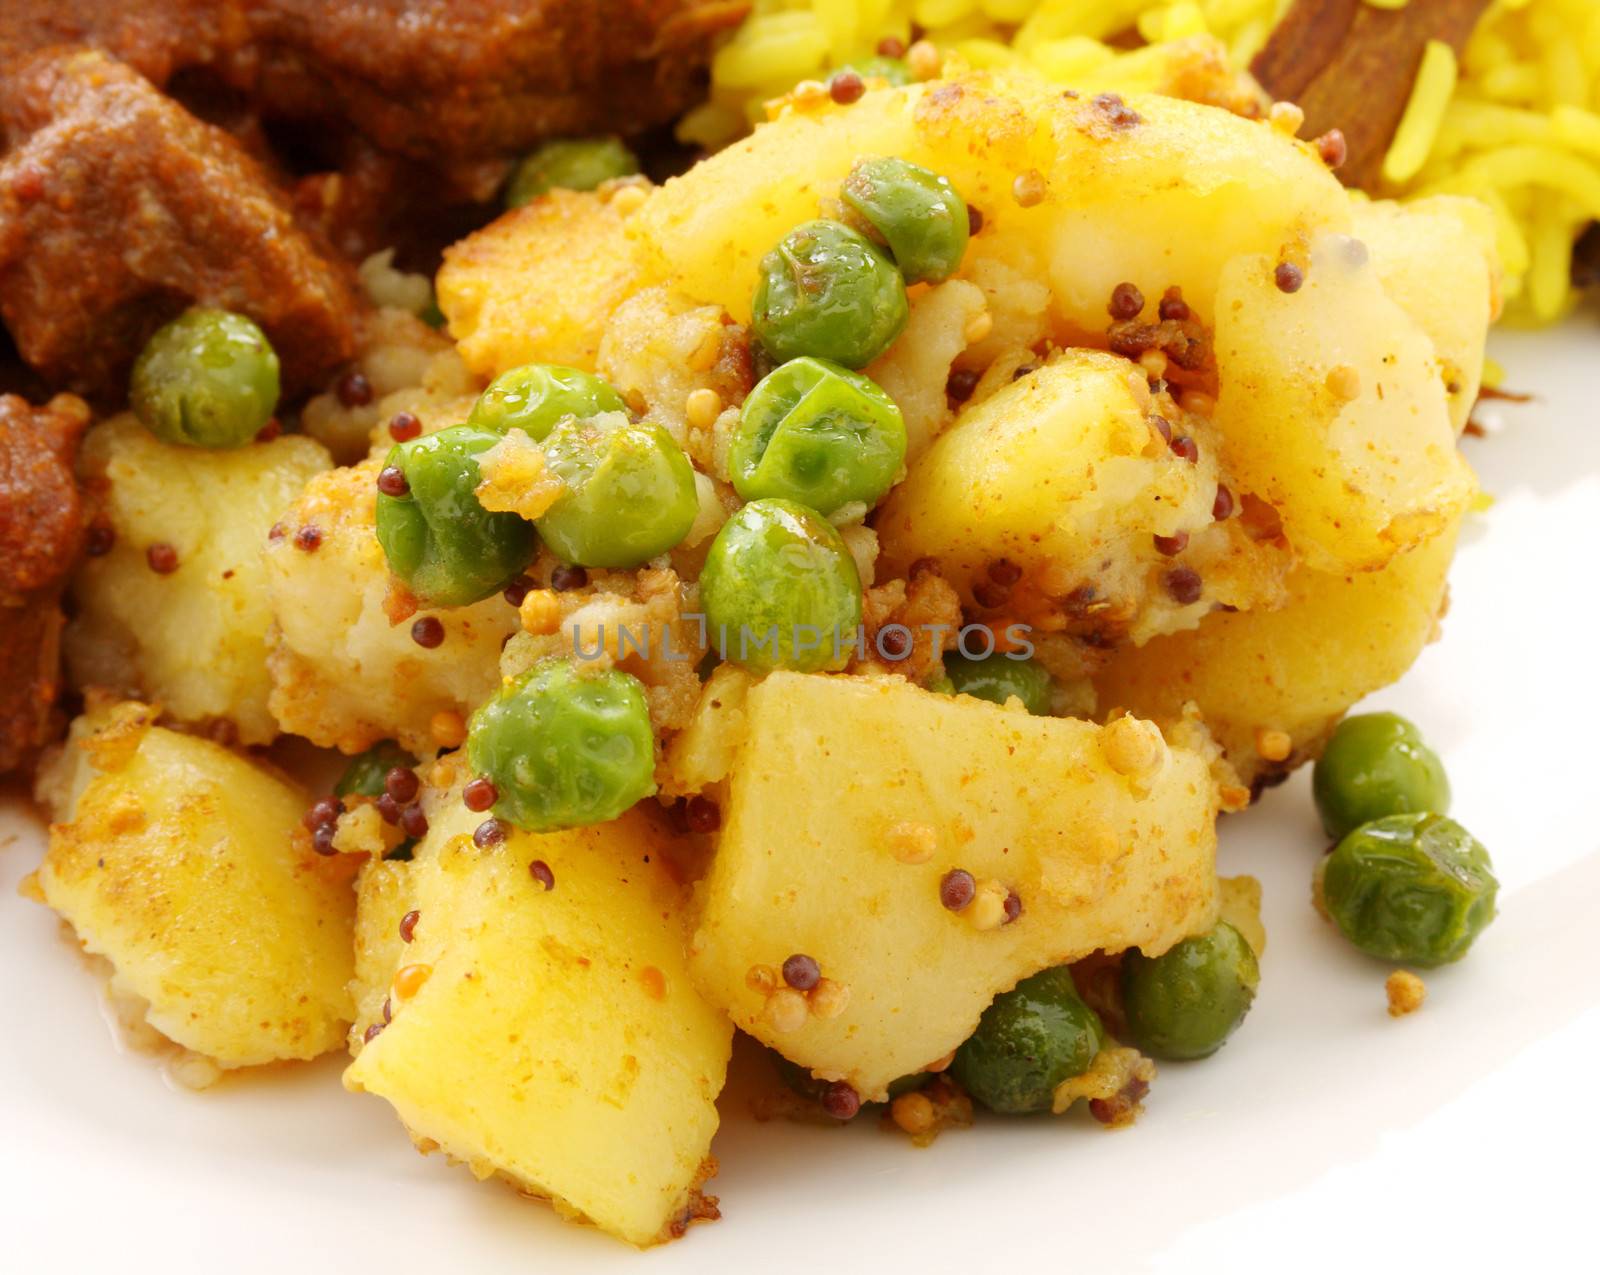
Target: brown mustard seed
891 47
403 427
277 531
1185 448
974 220
517 590
539 870
99 541
413 822
392 481
388 1011
1162 427
162 558
1115 111
956 889
1184 584
840 1101
371 1034
1222 506
1173 307
427 631
402 783
1288 276
801 972
323 810
1004 571
271 430
989 595
353 389
308 539
1013 907
408 925
846 87
962 381
564 578
388 809
479 795
702 814
1332 148
322 838
491 832
1127 302
1172 546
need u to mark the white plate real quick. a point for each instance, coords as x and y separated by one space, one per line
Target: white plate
1325 1135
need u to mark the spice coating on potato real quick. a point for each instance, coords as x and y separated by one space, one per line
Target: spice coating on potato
187 867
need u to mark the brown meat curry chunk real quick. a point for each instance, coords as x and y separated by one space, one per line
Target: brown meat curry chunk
473 78
41 530
118 209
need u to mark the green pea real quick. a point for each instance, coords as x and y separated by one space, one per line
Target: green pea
1187 1001
535 397
818 434
1028 1041
1417 888
573 163
629 492
780 590
828 292
207 379
565 746
1375 765
364 776
917 213
894 70
449 549
997 677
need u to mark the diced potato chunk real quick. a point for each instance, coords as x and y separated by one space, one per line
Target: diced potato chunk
344 675
193 639
1437 260
1063 475
557 1039
539 284
186 866
849 801
1163 200
1291 672
1333 408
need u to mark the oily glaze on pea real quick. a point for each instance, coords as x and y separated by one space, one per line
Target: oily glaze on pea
574 163
1187 1001
1375 765
207 379
630 492
565 746
1415 888
535 397
818 434
829 292
364 776
447 548
997 677
1028 1041
780 590
915 211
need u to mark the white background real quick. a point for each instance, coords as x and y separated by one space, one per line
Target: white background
1325 1136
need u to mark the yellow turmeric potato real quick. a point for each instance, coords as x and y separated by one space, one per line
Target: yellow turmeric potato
848 802
1161 192
549 1035
186 866
1294 671
343 674
1332 407
1437 260
194 638
1064 475
539 284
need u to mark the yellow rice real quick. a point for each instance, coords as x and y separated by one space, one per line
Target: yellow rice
1516 121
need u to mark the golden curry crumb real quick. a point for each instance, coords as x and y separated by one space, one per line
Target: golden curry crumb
1406 993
